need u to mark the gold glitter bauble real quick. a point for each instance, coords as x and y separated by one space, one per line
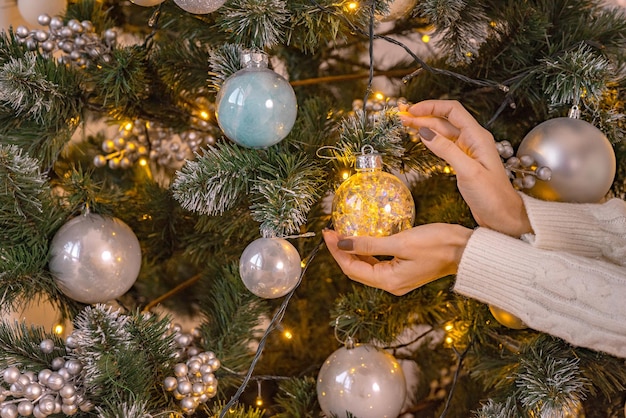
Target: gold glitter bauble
372 202
506 319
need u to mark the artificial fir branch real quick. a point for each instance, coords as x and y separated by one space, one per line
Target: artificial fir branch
19 346
231 313
213 182
284 191
576 73
224 61
461 25
255 23
120 83
550 385
296 398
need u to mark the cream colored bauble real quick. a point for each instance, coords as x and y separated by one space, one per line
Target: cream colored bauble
397 10
32 9
10 15
147 3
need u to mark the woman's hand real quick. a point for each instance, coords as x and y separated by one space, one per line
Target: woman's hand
451 132
421 254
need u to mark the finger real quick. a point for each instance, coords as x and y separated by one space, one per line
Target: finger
451 110
438 124
450 151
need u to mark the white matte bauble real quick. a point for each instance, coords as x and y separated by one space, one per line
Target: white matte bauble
200 7
10 15
147 3
32 9
581 158
270 267
366 381
94 258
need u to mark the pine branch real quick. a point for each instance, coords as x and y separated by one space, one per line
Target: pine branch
214 181
19 346
255 23
296 398
284 191
232 314
461 25
550 383
119 84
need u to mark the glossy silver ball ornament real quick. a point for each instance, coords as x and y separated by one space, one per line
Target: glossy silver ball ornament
94 258
199 7
270 267
579 156
366 381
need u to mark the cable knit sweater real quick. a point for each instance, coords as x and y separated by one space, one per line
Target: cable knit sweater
567 279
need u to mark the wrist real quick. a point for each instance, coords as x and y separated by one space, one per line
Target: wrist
457 240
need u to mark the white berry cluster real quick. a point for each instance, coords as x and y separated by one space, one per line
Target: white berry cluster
522 170
194 381
76 42
53 390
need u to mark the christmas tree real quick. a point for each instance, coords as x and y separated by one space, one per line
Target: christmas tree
146 181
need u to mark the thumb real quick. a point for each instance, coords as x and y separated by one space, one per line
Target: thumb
445 148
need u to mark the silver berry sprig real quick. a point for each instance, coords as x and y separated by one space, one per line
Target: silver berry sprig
72 43
522 170
161 145
51 391
194 381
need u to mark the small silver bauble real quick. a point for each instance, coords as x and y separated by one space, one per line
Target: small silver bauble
365 381
46 346
95 259
270 267
580 157
11 374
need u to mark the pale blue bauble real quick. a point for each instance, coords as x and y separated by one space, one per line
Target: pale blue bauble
94 258
364 380
256 107
270 267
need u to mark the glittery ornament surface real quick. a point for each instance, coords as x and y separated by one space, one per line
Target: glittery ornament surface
364 380
95 259
199 7
256 107
372 203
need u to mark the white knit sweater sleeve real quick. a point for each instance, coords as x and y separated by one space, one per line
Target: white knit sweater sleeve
590 230
578 299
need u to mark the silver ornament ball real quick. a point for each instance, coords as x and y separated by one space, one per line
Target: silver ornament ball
579 156
199 7
95 259
270 267
365 381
